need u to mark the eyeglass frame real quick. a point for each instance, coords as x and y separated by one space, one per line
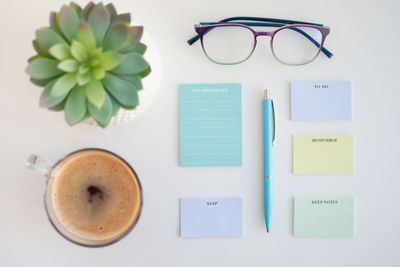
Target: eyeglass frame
204 27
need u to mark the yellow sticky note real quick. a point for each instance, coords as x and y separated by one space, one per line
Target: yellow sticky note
323 153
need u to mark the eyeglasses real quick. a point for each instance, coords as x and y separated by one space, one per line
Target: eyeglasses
232 41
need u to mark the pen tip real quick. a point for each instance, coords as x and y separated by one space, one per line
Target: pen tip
267 230
266 93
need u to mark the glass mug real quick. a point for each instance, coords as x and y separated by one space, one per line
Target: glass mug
93 197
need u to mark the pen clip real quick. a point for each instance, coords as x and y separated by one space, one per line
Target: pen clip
273 122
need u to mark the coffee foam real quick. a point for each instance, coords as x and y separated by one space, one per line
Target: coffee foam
95 195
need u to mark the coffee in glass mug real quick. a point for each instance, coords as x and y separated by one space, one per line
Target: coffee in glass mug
93 197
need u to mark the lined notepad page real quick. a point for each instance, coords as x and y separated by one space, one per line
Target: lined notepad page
210 124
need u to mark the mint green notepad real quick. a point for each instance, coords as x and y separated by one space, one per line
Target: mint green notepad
210 118
323 216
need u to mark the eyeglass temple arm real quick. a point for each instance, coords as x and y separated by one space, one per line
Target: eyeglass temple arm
278 23
323 49
281 21
284 21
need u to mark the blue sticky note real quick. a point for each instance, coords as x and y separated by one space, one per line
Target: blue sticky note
210 124
211 217
321 100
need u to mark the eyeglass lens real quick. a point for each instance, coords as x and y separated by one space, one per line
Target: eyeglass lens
228 44
296 46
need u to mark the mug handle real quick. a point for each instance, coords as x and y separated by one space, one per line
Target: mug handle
39 164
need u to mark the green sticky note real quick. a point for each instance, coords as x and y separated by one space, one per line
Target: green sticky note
323 216
210 122
323 153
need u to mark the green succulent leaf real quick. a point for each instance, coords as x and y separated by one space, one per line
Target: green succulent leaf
134 79
87 116
115 37
83 68
117 19
109 60
43 68
124 19
83 78
135 48
68 22
34 58
41 82
94 62
68 65
53 23
134 35
48 101
111 9
63 84
86 10
98 73
99 21
115 105
95 93
103 114
46 38
76 7
59 106
75 107
85 36
78 51
123 91
39 50
133 63
60 51
145 72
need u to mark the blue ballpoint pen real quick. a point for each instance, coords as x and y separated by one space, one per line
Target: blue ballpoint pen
268 139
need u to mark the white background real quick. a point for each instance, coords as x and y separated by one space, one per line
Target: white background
364 38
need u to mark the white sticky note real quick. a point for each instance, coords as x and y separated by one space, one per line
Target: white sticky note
211 217
321 100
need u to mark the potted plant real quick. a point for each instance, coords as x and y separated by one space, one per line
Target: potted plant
90 62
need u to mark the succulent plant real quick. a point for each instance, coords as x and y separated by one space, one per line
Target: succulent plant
89 61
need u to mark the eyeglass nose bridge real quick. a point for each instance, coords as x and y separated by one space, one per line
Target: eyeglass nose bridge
256 34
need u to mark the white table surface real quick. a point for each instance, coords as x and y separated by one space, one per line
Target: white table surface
365 37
